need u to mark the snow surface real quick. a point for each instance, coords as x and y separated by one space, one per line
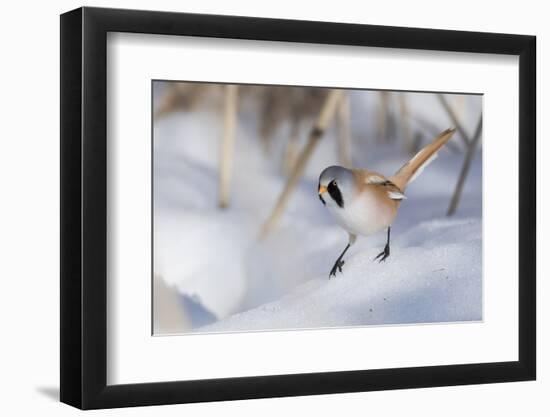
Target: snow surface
228 280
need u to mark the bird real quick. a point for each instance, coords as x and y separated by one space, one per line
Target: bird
364 202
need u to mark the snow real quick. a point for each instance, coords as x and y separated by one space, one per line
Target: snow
438 286
229 280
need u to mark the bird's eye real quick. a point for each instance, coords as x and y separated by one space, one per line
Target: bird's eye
334 182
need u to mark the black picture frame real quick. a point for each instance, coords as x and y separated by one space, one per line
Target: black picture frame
84 207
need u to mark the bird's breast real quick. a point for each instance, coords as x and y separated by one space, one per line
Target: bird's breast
365 214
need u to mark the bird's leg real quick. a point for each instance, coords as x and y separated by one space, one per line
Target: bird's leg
339 263
386 252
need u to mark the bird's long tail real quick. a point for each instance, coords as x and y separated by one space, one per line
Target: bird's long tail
408 172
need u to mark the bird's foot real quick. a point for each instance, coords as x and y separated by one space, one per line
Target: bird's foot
337 267
383 255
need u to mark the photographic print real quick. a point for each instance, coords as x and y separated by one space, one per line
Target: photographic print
297 207
329 185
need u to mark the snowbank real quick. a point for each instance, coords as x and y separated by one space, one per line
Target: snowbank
432 275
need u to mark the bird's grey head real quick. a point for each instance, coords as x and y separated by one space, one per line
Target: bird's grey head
336 185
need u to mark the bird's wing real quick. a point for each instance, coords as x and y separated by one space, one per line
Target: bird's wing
383 184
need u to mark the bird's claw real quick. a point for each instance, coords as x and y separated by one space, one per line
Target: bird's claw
383 255
337 267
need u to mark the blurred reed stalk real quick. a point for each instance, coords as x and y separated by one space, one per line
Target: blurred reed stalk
273 111
228 143
382 116
168 102
181 96
455 119
344 131
460 106
291 148
406 130
325 117
470 153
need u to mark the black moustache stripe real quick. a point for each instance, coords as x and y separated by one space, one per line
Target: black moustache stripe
335 194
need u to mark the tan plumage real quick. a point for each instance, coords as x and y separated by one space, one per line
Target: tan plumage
365 202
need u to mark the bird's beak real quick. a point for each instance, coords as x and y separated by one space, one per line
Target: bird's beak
322 189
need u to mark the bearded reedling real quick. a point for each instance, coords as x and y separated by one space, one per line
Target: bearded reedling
364 202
